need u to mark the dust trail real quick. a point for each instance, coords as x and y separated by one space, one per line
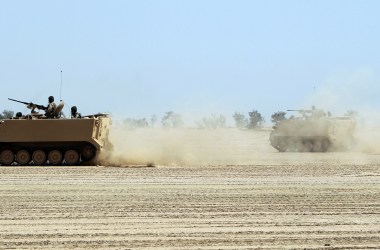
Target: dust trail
185 146
193 147
368 139
354 90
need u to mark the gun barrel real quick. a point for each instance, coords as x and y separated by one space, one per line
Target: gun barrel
300 110
29 104
26 103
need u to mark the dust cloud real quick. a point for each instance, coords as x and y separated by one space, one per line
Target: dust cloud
185 146
228 146
368 139
354 90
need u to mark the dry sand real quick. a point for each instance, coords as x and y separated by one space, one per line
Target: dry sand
226 192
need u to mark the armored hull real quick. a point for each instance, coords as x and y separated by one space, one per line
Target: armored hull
28 141
313 134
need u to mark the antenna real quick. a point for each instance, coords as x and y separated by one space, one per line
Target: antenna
60 95
60 90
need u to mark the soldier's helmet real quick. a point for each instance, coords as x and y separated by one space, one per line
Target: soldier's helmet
51 99
73 109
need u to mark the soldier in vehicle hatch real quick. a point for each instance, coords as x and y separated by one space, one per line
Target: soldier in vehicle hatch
49 112
75 113
317 113
18 115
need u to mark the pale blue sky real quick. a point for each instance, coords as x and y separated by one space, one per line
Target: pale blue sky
138 58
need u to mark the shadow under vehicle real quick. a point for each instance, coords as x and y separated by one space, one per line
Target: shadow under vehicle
36 140
314 131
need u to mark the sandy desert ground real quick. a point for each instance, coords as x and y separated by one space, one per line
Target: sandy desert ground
206 190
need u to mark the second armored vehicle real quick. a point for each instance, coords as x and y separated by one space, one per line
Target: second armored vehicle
314 131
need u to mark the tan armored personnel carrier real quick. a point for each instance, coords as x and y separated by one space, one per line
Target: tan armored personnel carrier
37 140
314 131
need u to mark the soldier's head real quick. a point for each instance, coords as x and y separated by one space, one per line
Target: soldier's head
73 110
18 114
51 99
